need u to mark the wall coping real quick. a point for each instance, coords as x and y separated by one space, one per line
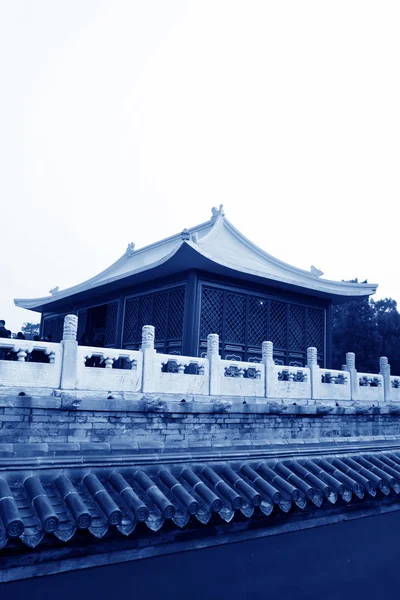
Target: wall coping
59 455
189 404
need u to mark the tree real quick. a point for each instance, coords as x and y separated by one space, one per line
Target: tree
30 329
355 329
388 321
370 329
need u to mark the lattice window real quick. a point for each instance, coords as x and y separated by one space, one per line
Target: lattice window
297 327
235 319
212 303
175 313
111 324
315 329
162 309
82 320
160 312
131 321
257 321
145 313
278 324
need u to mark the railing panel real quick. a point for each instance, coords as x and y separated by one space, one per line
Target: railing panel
32 364
332 385
177 374
370 387
242 378
288 382
395 388
105 377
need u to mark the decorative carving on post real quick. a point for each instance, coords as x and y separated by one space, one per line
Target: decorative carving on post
70 353
214 360
351 368
384 370
312 357
350 360
267 358
267 352
148 334
147 347
70 329
312 364
383 364
212 345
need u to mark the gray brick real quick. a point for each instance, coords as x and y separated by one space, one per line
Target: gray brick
16 411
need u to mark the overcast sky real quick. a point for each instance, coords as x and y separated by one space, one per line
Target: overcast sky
128 120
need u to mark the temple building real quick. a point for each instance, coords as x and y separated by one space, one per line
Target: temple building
207 279
181 468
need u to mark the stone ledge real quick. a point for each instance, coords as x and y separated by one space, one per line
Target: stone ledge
86 452
187 404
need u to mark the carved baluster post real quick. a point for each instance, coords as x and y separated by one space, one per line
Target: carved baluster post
109 360
384 370
22 352
267 350
351 368
312 364
69 346
147 348
215 364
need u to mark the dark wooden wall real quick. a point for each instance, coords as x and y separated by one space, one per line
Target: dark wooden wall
232 299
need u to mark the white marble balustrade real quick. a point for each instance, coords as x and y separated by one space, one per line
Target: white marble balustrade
370 387
288 382
105 376
179 374
23 370
395 388
72 367
241 378
332 385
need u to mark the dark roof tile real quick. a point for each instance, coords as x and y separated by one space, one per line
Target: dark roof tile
60 501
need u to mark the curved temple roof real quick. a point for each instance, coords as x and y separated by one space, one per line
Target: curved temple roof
64 500
215 245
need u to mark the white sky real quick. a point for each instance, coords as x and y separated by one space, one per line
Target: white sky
128 120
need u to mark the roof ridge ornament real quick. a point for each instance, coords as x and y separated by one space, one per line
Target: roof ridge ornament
130 249
316 272
215 212
54 291
185 234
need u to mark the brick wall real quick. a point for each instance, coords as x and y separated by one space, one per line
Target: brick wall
25 424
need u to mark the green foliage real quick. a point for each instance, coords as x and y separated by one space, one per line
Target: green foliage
30 329
370 329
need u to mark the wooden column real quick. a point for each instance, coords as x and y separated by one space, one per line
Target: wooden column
120 316
328 336
190 341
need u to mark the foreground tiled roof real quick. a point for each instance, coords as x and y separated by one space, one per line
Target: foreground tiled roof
61 501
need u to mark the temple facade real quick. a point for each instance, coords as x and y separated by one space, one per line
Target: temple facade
145 441
207 279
